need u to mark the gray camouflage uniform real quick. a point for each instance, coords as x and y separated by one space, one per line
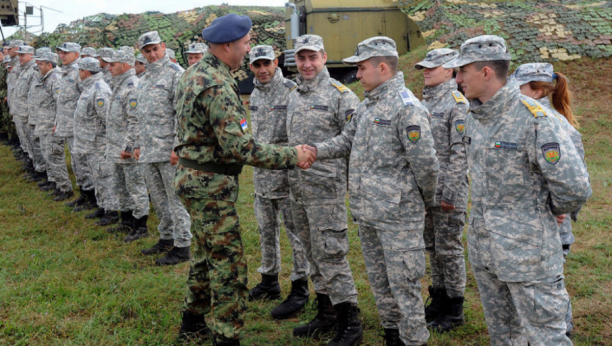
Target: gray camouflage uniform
524 172
27 76
443 230
318 110
141 58
154 132
128 181
34 95
268 106
393 172
10 93
90 132
105 54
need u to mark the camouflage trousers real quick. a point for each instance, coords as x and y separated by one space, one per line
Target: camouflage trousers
57 171
102 176
130 187
21 134
174 222
323 233
217 282
521 312
568 314
267 212
442 237
394 272
80 167
37 155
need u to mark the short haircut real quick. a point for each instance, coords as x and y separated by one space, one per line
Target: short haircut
390 61
53 64
500 67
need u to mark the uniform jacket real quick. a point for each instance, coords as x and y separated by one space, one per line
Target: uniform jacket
43 102
90 115
524 172
393 167
10 81
123 104
68 90
27 76
268 106
317 110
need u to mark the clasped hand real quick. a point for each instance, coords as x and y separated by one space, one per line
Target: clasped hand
306 155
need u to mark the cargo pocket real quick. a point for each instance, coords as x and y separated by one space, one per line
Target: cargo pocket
414 262
336 244
550 301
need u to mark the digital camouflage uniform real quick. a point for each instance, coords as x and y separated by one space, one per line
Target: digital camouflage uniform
128 181
140 58
105 54
443 230
36 88
524 171
392 179
19 106
11 81
268 106
6 127
211 130
156 119
90 132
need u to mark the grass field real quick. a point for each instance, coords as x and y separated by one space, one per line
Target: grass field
64 281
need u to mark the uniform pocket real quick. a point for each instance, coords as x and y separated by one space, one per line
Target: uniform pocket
508 173
550 301
336 244
320 180
414 261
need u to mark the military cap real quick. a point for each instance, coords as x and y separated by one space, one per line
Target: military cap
89 64
7 60
88 51
170 53
481 48
437 57
261 52
309 42
70 47
5 44
104 53
16 43
151 37
40 51
141 58
25 50
47 56
228 28
374 46
122 55
534 72
197 48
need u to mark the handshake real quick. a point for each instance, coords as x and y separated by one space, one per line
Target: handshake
307 155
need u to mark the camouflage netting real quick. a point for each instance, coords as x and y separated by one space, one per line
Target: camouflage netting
534 30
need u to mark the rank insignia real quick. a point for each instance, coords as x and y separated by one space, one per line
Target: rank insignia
460 126
100 102
551 152
414 133
133 103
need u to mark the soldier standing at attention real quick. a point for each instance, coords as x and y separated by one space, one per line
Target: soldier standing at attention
154 137
525 172
195 52
213 146
140 66
392 176
445 220
268 106
90 137
318 110
103 55
128 181
88 52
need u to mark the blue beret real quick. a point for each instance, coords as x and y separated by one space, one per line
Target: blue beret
228 28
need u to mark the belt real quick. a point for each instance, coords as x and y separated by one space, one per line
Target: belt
229 169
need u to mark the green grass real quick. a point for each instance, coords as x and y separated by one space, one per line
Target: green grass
64 281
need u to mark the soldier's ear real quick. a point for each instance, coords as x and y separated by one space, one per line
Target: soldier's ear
276 63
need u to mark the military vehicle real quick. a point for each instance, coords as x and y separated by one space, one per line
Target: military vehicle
345 23
8 12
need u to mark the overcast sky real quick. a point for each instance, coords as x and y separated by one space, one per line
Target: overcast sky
76 9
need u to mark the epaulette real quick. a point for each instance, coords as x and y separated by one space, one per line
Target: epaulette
535 108
343 89
406 98
459 98
174 66
290 84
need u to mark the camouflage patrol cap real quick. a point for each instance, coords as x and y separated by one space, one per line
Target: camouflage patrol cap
141 58
88 51
104 53
309 42
70 47
437 57
89 64
261 52
123 56
170 53
7 60
151 37
40 51
197 48
48 56
534 72
25 50
372 47
16 43
481 48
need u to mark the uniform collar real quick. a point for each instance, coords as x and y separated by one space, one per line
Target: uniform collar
53 70
380 91
215 62
545 102
305 86
29 64
91 80
278 77
436 92
496 105
158 64
118 80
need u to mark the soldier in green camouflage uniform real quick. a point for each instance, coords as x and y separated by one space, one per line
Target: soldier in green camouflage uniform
524 171
213 146
445 220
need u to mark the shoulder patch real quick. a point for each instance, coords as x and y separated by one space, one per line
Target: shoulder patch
174 66
459 98
534 108
290 84
406 98
341 87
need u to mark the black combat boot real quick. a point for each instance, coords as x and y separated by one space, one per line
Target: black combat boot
37 176
437 296
194 328
450 318
109 218
49 186
392 338
89 203
62 195
221 341
268 288
348 329
139 230
323 322
295 302
163 245
78 201
126 225
97 214
42 183
174 256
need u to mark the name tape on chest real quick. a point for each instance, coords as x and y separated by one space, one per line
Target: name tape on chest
382 122
319 107
437 115
278 107
506 145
